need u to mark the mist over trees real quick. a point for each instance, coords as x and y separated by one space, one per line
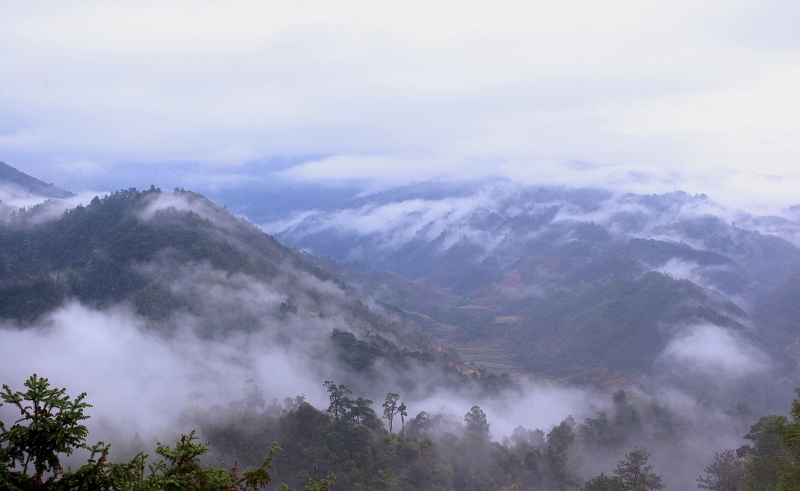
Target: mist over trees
438 452
489 338
582 285
31 450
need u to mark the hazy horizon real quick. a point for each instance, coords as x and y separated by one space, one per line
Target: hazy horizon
628 96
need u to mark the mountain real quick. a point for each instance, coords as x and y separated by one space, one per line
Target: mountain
581 284
161 303
175 260
15 181
564 285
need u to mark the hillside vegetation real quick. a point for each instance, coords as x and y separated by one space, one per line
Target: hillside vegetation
581 285
427 452
176 260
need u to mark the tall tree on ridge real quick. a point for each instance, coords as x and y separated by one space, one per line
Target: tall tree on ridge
402 410
390 408
338 398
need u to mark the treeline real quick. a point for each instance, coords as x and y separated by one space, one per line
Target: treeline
361 442
425 452
361 448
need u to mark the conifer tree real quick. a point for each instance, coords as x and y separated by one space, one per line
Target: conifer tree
636 474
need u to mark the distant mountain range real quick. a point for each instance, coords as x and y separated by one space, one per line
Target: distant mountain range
578 283
178 261
565 285
19 181
670 322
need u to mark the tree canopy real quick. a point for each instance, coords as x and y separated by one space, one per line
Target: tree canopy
51 428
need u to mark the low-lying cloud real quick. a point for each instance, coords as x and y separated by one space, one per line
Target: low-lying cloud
639 95
140 379
714 350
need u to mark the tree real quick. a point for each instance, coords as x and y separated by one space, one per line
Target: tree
600 432
626 417
419 424
724 474
558 441
314 484
50 427
361 410
402 411
789 434
180 468
762 460
287 307
390 408
635 473
604 483
476 423
338 397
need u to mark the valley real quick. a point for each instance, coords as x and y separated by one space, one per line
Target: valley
582 286
584 323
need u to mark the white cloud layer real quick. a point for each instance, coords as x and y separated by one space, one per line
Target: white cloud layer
139 379
714 350
643 96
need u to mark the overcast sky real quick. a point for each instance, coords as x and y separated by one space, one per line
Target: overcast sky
628 95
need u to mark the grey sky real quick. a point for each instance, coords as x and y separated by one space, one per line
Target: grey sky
628 95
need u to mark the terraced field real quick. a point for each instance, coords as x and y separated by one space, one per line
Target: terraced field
490 355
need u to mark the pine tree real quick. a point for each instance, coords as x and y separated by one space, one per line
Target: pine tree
636 474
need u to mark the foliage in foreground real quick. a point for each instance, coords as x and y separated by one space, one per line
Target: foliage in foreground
351 440
51 427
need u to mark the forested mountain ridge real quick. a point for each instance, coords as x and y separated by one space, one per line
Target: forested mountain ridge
675 341
175 259
19 181
92 252
578 283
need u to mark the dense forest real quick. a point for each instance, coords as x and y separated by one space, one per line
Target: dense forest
350 444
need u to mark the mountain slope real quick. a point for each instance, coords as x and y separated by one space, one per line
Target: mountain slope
556 281
180 262
17 179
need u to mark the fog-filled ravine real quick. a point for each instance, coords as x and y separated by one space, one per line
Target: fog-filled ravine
478 335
